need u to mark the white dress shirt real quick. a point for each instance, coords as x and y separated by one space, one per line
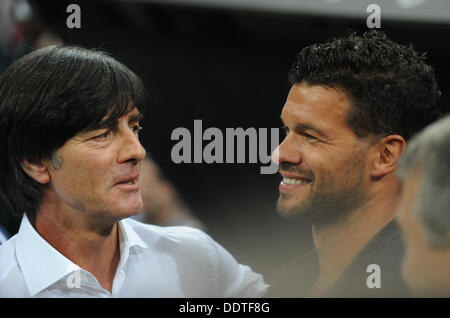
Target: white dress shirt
154 262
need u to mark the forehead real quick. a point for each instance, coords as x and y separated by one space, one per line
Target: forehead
318 106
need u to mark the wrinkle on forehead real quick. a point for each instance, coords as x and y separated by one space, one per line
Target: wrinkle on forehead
320 106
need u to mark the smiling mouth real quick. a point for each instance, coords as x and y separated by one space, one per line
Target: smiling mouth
294 181
293 184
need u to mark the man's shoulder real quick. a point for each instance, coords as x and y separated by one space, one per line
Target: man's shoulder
7 256
295 277
387 247
200 259
10 273
381 257
146 230
170 238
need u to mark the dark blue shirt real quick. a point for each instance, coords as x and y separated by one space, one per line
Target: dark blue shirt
386 250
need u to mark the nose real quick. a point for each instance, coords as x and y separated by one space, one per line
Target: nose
131 149
276 155
288 151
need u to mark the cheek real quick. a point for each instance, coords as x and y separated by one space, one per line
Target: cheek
331 169
416 252
351 169
97 172
87 173
410 260
315 161
416 270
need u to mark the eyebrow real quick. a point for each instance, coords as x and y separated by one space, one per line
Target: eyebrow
135 118
108 124
307 127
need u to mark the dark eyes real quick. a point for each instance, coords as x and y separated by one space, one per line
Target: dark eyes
136 129
307 136
103 136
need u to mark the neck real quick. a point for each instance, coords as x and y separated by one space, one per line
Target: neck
92 244
339 243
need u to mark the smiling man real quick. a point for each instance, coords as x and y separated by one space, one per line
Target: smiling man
70 161
353 104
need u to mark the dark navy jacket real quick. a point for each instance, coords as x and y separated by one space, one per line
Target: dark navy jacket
386 250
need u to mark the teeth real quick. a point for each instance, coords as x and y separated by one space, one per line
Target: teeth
294 181
130 182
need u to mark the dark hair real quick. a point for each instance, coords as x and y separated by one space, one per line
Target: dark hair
391 88
46 98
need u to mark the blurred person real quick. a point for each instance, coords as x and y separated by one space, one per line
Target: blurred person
353 104
424 210
70 163
162 204
22 29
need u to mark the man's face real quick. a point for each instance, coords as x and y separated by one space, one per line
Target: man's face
99 174
321 160
425 269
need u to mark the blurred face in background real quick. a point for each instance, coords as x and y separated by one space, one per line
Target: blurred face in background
425 268
322 161
157 193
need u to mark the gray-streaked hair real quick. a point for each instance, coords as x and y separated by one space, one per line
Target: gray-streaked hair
46 98
430 151
55 161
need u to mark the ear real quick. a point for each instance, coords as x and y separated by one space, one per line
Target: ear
37 171
387 154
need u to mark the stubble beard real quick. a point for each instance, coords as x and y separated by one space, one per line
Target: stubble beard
324 205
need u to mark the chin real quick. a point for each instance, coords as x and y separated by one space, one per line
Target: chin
127 209
287 208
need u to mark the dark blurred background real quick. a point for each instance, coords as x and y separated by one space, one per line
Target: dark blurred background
226 63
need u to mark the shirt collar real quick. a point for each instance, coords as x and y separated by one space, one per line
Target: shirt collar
42 265
128 237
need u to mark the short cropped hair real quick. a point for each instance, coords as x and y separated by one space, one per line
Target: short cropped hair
46 98
391 87
430 152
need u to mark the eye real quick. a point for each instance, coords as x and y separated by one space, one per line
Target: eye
136 129
103 136
309 137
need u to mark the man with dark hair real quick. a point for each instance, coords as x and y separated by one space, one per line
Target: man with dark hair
354 102
70 161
